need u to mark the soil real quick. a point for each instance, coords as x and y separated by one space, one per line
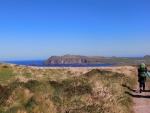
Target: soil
141 100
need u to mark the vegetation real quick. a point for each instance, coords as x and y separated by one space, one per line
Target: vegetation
64 90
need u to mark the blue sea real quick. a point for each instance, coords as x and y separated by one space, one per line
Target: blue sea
39 63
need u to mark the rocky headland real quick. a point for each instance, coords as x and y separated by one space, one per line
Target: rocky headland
78 59
147 56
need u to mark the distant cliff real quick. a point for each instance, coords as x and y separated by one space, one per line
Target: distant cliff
72 59
147 56
77 59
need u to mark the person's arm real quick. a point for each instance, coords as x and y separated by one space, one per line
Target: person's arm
148 74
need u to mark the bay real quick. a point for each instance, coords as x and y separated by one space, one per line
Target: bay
39 63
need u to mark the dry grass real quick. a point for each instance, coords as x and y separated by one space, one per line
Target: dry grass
26 97
67 90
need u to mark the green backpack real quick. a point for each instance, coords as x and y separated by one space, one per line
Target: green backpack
142 70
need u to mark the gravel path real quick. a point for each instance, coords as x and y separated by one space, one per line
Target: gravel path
141 100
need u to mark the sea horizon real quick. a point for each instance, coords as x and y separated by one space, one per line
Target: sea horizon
39 63
46 59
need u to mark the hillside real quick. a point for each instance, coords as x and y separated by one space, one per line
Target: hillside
65 90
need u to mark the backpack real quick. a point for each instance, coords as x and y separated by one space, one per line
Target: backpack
142 70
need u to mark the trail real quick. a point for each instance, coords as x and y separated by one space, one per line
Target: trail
141 100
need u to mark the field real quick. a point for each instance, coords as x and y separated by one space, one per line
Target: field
66 90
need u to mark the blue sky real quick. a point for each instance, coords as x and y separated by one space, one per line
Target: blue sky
38 29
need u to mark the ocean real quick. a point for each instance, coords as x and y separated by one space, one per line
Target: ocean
39 63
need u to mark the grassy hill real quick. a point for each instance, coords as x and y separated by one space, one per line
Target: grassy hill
65 90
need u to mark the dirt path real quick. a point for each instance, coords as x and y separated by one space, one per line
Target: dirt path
141 100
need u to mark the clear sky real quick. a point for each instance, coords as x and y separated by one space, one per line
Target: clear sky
38 29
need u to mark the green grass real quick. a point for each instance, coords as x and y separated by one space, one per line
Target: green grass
6 73
96 91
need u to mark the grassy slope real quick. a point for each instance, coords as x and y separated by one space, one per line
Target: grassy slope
24 89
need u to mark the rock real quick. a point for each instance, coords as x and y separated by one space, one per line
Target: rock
147 56
71 59
53 60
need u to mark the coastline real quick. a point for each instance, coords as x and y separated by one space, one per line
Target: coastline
115 68
60 65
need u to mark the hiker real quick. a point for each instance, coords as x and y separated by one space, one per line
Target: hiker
142 76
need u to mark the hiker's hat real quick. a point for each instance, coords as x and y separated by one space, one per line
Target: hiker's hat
142 65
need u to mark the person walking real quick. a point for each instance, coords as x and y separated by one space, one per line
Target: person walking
142 70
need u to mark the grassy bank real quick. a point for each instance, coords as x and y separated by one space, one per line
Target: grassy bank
63 90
